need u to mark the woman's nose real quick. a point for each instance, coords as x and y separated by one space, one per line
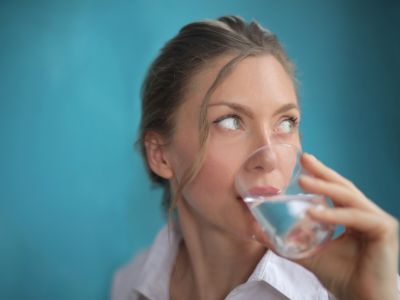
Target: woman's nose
261 137
264 160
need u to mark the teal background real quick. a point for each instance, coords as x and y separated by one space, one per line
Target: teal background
75 202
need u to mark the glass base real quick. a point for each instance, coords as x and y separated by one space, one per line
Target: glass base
284 220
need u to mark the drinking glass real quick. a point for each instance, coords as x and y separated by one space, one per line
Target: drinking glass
268 183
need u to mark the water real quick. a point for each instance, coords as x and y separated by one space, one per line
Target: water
286 224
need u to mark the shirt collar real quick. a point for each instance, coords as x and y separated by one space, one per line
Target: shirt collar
154 278
289 278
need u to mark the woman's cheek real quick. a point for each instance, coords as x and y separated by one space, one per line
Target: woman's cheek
182 155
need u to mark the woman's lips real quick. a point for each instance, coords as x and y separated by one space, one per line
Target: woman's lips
265 190
260 191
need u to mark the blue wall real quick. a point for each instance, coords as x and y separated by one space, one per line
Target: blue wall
75 202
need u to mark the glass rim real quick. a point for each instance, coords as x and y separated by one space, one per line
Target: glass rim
297 149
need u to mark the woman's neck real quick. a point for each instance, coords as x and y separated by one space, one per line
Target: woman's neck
211 262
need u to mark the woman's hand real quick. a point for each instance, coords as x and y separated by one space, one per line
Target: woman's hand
362 262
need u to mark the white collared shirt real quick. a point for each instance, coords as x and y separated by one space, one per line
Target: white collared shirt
274 278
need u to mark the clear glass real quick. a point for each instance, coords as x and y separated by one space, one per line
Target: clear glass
268 183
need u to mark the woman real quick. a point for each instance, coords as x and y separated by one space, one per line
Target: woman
218 91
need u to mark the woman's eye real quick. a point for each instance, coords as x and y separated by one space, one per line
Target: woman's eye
288 125
229 122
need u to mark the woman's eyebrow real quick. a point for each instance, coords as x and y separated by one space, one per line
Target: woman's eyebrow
235 106
285 108
247 111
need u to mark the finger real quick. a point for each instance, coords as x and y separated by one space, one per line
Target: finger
372 225
340 195
318 169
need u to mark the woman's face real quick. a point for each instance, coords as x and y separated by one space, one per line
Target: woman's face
254 105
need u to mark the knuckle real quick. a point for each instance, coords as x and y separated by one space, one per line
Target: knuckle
350 184
395 225
391 225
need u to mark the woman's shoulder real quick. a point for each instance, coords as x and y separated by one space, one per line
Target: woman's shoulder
137 277
125 277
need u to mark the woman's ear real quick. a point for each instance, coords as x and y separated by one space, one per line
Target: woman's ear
156 155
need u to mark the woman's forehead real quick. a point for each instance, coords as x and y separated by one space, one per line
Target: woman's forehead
255 76
202 79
